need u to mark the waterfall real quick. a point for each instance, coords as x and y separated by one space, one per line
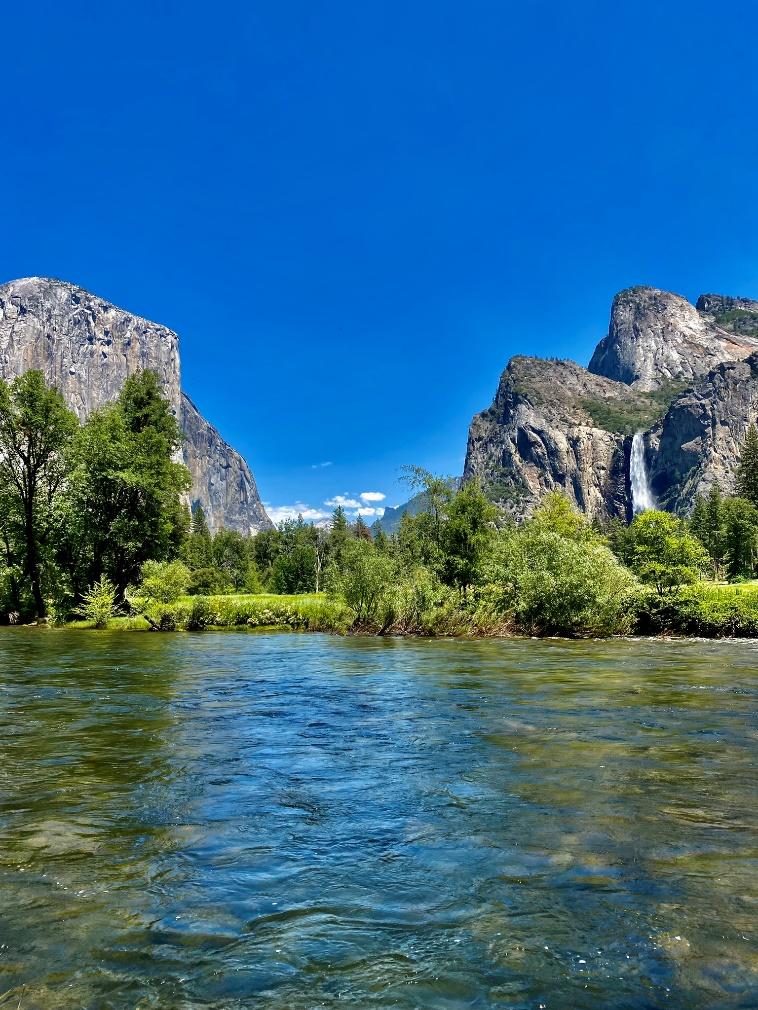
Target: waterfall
642 496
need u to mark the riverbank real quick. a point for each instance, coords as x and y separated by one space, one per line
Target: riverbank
704 610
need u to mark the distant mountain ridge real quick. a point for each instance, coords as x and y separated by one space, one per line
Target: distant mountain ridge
684 375
87 348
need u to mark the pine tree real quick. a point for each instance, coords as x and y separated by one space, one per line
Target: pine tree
747 471
197 550
339 536
361 530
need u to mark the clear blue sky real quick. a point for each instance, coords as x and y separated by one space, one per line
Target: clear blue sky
354 213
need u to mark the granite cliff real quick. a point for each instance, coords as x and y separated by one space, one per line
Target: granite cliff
87 347
684 376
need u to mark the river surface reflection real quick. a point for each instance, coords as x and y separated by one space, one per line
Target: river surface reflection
301 821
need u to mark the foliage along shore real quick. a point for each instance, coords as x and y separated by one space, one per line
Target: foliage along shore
705 611
93 528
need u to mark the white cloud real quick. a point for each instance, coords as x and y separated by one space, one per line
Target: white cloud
320 466
366 511
344 500
372 496
278 513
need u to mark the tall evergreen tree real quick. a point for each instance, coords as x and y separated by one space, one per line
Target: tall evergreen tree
747 470
126 489
361 530
339 537
197 549
740 537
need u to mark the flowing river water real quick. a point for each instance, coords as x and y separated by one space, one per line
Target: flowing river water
301 821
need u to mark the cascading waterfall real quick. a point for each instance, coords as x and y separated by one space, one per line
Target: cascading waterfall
642 496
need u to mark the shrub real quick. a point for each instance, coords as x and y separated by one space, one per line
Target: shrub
364 582
99 603
549 584
200 614
208 581
163 581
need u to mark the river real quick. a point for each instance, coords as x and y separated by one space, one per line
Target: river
301 821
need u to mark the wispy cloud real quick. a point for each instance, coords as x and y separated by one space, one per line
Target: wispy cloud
320 466
278 513
364 504
344 500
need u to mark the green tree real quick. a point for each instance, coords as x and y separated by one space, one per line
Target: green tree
361 530
125 500
364 582
294 570
265 548
162 582
707 524
233 557
740 533
35 431
339 537
437 492
197 549
550 583
466 535
99 604
747 469
660 550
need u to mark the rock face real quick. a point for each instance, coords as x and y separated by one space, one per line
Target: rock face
697 445
87 348
544 433
655 337
221 479
685 377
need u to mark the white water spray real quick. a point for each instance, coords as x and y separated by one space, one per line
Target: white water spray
642 496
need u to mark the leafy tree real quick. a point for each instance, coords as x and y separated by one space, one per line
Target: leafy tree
364 581
437 493
660 550
707 524
381 540
265 549
162 582
232 556
125 490
35 431
208 582
551 583
466 535
747 469
294 570
321 545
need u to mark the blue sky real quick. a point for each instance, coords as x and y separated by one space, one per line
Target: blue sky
354 213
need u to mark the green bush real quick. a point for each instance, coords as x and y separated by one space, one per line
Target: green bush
555 575
99 603
702 609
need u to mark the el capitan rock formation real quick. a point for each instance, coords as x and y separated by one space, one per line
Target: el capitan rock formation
87 347
684 375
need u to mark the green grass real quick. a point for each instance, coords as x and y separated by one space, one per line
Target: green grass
637 412
705 609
